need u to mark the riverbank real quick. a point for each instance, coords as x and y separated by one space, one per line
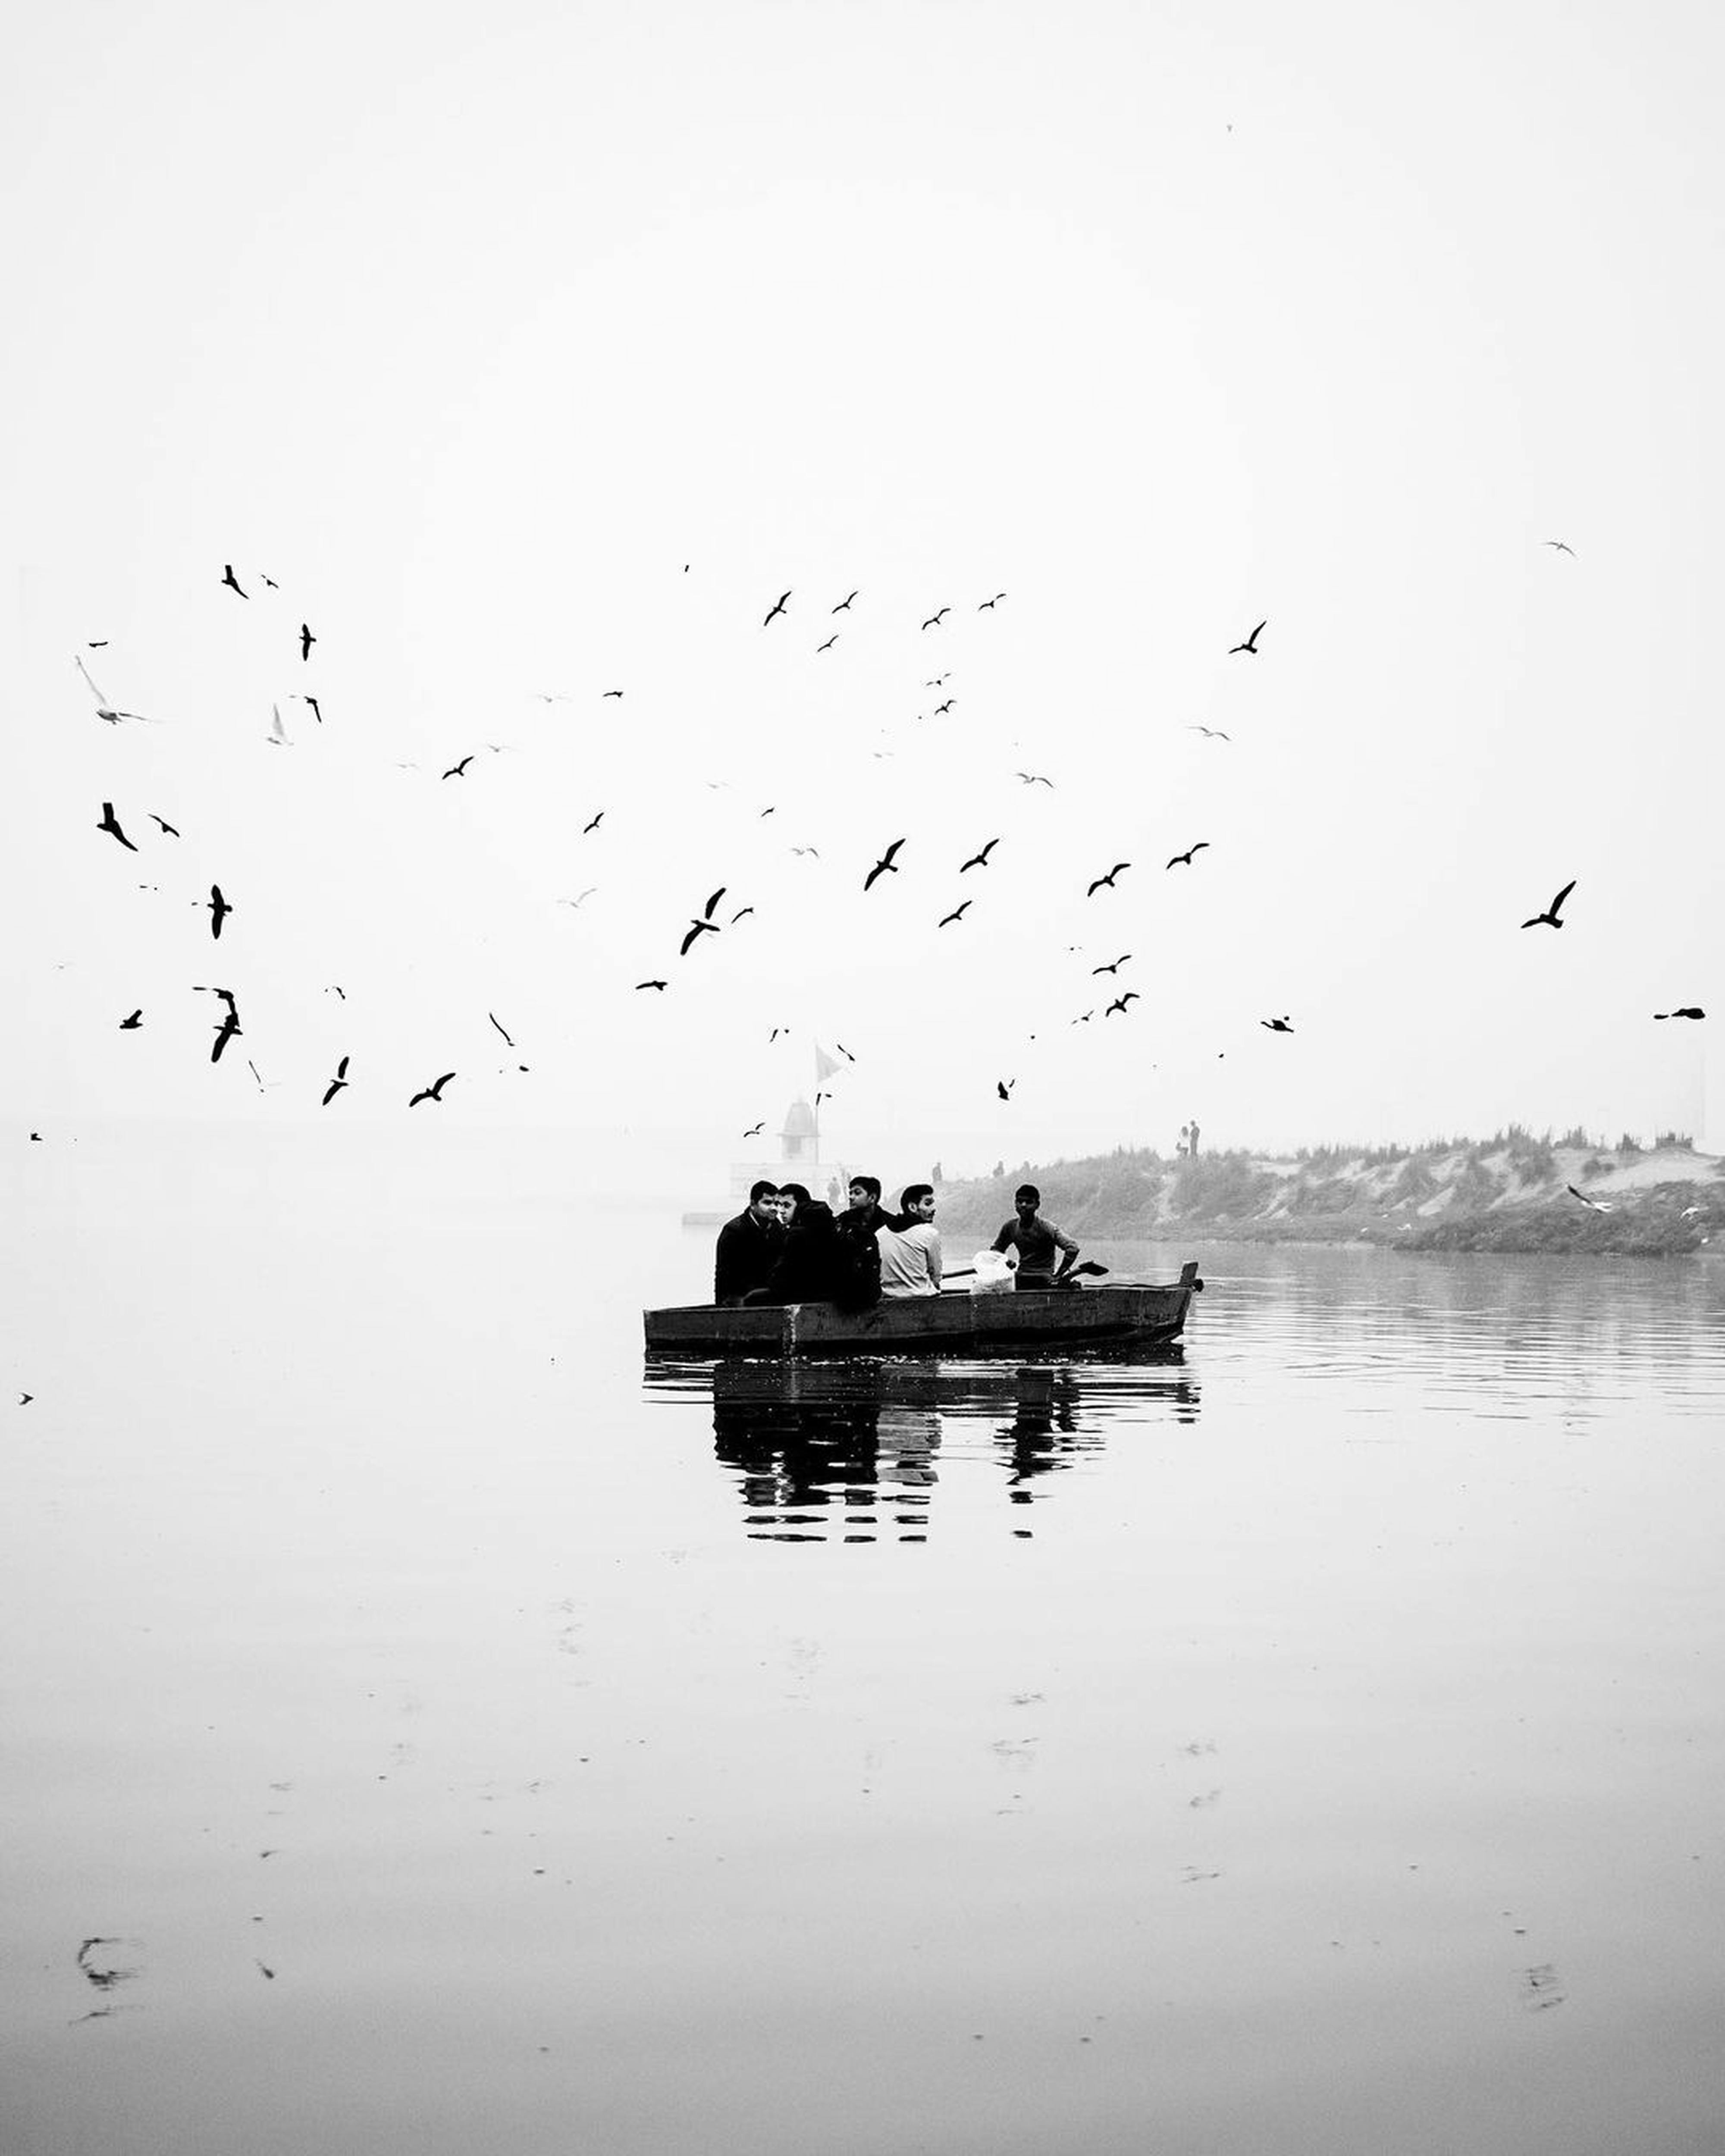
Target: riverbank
1510 1192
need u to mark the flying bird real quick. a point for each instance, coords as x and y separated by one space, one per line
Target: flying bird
981 861
1563 548
778 608
233 582
829 643
1003 1086
842 607
432 1092
739 913
958 913
131 1024
987 603
885 865
166 826
219 909
610 692
935 620
223 995
1682 1010
815 850
1276 1024
112 828
595 825
705 925
1209 733
844 1051
459 770
1108 880
104 710
1252 642
1186 856
1116 967
1549 919
335 988
507 1042
1120 1003
585 895
947 706
306 640
755 1131
225 1033
650 984
1035 778
338 1084
1593 1204
316 708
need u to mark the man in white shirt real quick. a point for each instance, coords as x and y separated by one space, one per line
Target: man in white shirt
911 1248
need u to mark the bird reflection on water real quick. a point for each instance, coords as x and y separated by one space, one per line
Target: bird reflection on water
853 1451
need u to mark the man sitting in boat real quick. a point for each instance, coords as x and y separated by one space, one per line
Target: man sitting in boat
860 1226
911 1247
1037 1242
814 1264
748 1247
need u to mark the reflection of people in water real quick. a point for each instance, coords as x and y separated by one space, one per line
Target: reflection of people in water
807 1442
851 1450
1045 1434
1043 1427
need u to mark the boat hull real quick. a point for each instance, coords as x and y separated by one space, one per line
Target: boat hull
1060 1316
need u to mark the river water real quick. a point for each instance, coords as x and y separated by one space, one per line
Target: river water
428 1729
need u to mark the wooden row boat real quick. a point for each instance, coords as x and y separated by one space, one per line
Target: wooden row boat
950 1321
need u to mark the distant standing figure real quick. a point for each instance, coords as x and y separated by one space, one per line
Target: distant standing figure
934 1174
911 1248
748 1247
1037 1241
1193 1145
1185 1138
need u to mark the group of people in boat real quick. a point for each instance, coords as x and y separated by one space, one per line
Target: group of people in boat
787 1247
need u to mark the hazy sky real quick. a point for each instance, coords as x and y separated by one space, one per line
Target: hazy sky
471 328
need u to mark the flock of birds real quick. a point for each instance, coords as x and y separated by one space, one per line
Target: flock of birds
707 922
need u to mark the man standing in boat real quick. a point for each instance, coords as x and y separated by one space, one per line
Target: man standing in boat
748 1246
911 1248
1037 1242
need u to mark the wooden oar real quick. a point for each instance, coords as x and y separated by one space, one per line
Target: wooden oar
1090 1266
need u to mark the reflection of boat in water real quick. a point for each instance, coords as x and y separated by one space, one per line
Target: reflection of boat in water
853 1451
954 1321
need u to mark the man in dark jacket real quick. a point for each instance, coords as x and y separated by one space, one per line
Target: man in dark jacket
860 1229
749 1247
807 1267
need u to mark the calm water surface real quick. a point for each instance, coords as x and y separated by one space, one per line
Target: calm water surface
456 1736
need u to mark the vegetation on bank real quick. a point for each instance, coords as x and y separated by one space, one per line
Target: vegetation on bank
1506 1193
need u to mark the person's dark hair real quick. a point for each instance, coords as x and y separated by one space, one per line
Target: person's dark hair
1028 1190
912 1192
871 1183
816 1217
762 1189
794 1190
